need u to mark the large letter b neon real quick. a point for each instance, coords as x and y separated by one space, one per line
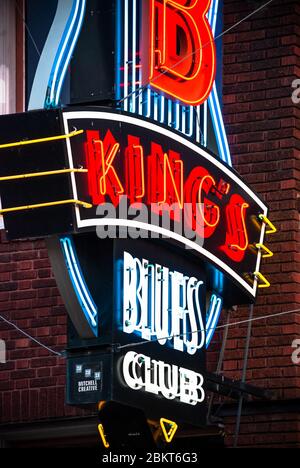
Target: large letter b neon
182 49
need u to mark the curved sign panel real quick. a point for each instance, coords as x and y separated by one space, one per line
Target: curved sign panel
144 177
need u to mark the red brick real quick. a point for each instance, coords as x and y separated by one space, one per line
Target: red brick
23 295
24 274
4 276
43 362
24 265
23 343
21 384
44 273
23 374
43 283
24 285
44 372
30 255
41 263
43 331
23 364
43 382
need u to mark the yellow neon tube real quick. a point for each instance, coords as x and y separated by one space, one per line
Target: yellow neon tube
42 140
44 205
266 220
102 435
259 276
41 174
171 432
101 404
268 252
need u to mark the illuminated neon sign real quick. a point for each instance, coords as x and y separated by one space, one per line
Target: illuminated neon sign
115 157
105 157
182 51
140 372
162 305
159 313
148 165
167 183
79 284
202 123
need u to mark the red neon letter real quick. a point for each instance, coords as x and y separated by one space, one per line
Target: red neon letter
102 176
182 48
205 214
135 178
165 177
236 241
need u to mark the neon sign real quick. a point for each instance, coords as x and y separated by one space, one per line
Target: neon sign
157 168
140 372
113 158
202 123
159 314
165 182
79 284
116 157
182 51
162 305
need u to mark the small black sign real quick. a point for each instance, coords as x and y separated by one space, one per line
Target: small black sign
88 379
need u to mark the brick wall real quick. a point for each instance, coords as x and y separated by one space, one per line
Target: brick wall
274 430
261 60
32 382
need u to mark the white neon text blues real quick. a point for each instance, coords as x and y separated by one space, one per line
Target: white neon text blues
163 305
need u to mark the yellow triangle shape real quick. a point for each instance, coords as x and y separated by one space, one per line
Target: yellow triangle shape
169 434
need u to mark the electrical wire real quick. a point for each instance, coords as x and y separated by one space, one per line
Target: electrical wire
232 324
140 89
119 347
30 337
27 29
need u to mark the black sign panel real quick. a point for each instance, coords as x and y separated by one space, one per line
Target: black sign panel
160 329
24 161
95 55
150 353
88 379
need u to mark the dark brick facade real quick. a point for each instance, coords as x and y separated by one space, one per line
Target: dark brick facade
32 383
261 60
